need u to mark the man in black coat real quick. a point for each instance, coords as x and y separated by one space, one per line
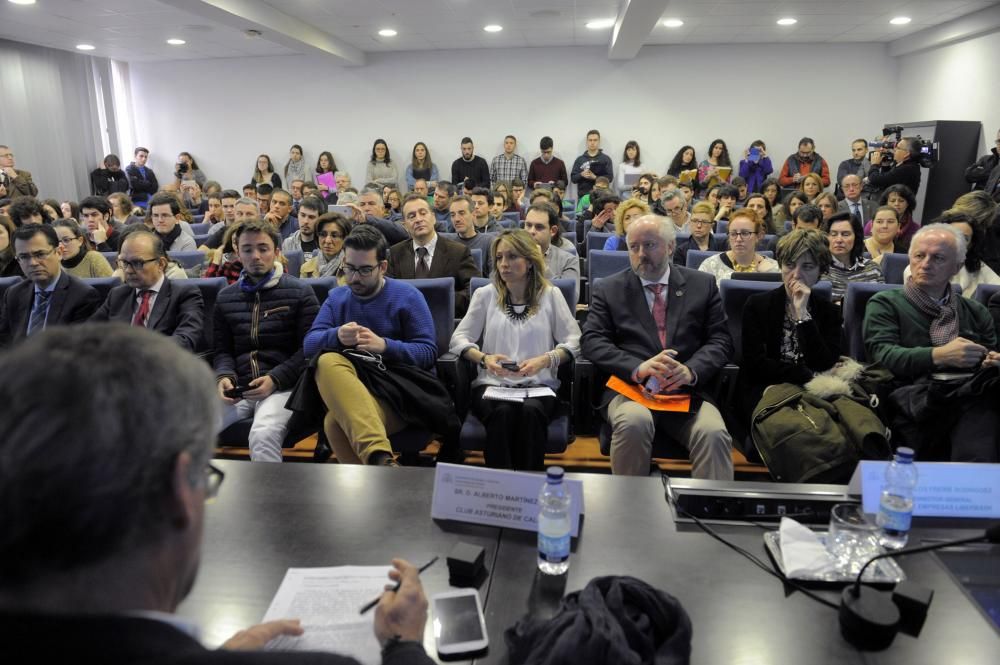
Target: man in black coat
470 169
906 170
149 299
95 560
49 296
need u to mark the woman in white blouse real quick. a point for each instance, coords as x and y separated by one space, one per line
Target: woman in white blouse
746 229
518 329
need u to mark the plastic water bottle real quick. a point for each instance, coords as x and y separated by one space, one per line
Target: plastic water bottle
553 524
896 506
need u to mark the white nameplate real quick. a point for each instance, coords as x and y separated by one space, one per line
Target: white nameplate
944 489
496 497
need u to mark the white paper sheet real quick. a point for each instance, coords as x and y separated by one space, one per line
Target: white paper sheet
507 394
327 601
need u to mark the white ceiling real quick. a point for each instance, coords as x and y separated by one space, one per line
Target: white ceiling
136 30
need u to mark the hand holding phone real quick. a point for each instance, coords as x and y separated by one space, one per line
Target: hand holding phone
510 365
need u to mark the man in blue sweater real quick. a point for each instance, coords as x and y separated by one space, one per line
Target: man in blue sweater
386 319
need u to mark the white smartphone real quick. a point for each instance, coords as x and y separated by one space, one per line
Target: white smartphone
459 624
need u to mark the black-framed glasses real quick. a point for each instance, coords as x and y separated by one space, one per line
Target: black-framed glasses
66 241
213 481
134 264
364 271
741 234
40 255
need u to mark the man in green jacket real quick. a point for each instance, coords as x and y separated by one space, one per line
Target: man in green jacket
926 329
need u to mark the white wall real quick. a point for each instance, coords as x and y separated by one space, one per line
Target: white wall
664 98
956 82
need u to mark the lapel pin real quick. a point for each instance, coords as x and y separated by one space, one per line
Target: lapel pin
679 293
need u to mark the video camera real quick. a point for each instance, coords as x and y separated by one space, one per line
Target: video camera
928 149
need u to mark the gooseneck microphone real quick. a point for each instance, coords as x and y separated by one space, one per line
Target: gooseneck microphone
869 618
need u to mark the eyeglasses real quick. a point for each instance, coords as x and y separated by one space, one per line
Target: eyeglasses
742 234
66 241
8 155
213 481
40 255
364 271
135 264
700 222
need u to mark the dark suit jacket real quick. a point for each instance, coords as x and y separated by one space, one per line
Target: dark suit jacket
121 640
620 333
72 302
178 311
868 209
451 259
995 311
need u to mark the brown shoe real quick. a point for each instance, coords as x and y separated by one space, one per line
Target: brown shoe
382 458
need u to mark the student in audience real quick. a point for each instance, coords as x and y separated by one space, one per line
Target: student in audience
708 169
786 211
791 333
295 167
27 210
827 204
885 231
520 318
602 210
760 204
214 215
192 199
803 162
742 190
78 256
700 226
755 167
677 210
973 271
807 216
728 195
380 168
326 164
544 169
811 185
250 191
331 229
712 196
843 230
463 221
9 266
225 261
541 221
858 166
684 356
164 211
70 210
686 159
261 356
421 167
499 206
393 201
626 213
508 165
631 165
280 213
925 328
263 172
95 217
746 229
482 200
372 211
602 187
372 315
108 177
771 189
427 255
51 208
304 239
14 182
470 169
5 206
295 189
591 165
141 179
517 193
444 192
186 168
902 200
121 210
49 296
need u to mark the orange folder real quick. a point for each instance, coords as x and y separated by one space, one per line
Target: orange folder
678 403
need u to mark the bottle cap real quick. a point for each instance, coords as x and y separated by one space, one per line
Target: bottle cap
904 454
554 473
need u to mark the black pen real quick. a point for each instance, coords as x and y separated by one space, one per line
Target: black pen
374 602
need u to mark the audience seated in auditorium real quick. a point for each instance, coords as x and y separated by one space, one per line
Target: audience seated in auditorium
746 230
148 299
542 224
591 165
123 210
14 182
856 204
701 238
900 198
482 201
470 170
983 210
546 168
518 318
49 296
811 185
629 211
668 322
224 261
164 211
304 238
785 211
463 221
926 328
260 322
801 163
973 271
519 202
426 254
79 258
331 229
508 165
847 248
602 187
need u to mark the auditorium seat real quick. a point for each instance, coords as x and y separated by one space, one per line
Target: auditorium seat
596 240
200 239
200 228
6 283
112 258
321 286
514 217
294 260
855 300
722 227
695 257
103 285
893 266
209 287
477 257
603 263
984 292
188 260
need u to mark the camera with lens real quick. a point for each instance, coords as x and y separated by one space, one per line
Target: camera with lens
182 167
928 150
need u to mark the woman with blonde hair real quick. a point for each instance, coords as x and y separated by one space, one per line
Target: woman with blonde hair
701 238
811 186
625 213
518 330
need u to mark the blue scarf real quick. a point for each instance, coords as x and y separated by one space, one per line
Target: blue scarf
250 287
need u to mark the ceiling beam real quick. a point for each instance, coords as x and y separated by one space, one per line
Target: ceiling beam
275 26
962 28
633 26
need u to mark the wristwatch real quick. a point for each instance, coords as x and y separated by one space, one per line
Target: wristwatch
482 361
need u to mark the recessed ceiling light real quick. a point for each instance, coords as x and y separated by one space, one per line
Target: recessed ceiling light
387 32
493 27
600 24
22 2
176 42
901 20
86 47
673 23
787 21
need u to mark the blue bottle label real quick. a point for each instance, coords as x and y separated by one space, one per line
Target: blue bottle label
896 520
554 549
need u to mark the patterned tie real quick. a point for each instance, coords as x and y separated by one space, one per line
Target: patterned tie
659 312
423 269
142 314
36 322
857 212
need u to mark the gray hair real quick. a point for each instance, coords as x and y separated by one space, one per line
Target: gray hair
87 455
665 227
960 244
672 194
248 201
376 192
347 198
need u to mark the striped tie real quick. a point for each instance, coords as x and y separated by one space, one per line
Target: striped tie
37 321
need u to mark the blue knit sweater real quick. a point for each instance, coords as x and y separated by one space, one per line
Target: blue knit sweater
398 314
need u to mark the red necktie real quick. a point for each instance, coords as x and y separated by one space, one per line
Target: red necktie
139 320
659 311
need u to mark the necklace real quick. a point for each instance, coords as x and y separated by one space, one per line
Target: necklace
750 267
514 315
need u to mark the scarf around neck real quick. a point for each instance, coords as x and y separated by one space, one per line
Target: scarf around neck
944 318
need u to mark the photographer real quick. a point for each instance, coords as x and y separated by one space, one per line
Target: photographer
186 169
902 169
985 173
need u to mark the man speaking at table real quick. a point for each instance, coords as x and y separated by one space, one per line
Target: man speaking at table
95 559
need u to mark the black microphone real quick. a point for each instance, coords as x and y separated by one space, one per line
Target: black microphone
870 619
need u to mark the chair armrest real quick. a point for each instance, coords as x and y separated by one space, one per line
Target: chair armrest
456 375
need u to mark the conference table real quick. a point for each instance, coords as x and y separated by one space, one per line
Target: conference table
269 517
